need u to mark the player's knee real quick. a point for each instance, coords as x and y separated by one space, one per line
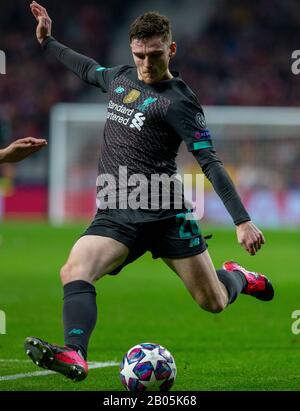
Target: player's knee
213 305
70 272
217 307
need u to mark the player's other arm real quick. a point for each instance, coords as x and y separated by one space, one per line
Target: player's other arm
84 67
20 149
186 118
249 236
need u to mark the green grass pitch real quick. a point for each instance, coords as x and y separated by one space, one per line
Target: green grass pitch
250 346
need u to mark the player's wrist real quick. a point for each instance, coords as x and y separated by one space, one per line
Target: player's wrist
2 155
45 40
243 222
5 155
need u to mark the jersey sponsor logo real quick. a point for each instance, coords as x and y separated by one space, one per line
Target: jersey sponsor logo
119 90
138 121
200 120
132 96
150 100
120 108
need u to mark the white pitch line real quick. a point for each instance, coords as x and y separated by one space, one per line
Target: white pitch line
15 360
92 365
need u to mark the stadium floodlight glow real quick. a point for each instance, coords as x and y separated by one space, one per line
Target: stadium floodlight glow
2 62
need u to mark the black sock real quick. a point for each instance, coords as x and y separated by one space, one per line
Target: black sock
234 282
79 314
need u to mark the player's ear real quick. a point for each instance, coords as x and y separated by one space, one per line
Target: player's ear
173 48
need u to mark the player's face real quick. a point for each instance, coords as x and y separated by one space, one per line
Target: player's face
152 56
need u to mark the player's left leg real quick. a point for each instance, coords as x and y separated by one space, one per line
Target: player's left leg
212 290
182 247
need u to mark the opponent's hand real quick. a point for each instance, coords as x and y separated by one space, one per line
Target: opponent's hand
43 29
20 149
250 237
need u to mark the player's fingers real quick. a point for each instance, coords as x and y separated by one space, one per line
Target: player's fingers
31 141
251 246
246 246
40 8
252 250
260 240
257 242
257 245
34 140
35 12
39 144
25 140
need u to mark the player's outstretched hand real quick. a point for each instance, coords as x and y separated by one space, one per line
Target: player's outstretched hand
250 237
43 29
20 149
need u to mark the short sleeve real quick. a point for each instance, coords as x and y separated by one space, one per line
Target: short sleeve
104 76
187 119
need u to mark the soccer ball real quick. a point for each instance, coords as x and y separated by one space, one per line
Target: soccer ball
148 366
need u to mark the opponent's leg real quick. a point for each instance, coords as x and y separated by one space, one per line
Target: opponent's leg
90 258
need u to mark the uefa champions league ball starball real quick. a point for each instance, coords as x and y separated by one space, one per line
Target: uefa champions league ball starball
149 367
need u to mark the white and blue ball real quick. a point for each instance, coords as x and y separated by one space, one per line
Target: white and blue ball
148 366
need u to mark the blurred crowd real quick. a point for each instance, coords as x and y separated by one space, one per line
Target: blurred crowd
243 57
32 84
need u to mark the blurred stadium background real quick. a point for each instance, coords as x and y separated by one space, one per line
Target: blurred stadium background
232 53
236 55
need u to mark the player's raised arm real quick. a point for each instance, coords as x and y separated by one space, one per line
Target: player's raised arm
20 149
84 67
43 29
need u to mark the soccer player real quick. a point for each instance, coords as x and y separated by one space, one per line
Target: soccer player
151 111
20 149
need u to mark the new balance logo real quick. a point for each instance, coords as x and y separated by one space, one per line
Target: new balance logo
138 121
194 242
76 331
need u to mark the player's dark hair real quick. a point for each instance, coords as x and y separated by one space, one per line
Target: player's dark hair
151 24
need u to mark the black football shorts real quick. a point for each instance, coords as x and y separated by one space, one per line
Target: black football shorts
173 236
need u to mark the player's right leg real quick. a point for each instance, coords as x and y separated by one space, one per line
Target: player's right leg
91 258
